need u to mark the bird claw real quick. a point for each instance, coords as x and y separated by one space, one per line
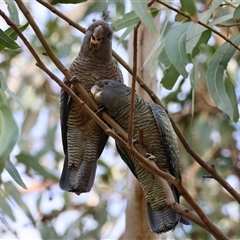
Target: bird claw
100 109
75 79
150 157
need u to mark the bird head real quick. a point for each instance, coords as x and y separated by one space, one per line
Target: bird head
98 38
111 94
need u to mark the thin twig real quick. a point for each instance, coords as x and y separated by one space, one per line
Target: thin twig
134 76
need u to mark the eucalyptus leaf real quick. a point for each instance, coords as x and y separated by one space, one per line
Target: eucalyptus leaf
11 169
32 162
6 208
170 77
175 48
6 41
13 192
189 7
216 78
13 12
236 14
141 9
9 130
128 20
4 86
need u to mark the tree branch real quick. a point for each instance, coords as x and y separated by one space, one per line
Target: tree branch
134 76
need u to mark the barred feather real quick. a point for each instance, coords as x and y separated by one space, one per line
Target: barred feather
83 140
158 139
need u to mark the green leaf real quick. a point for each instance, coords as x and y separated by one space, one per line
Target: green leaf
128 20
230 90
236 14
141 9
12 191
32 162
216 79
13 12
170 77
205 36
221 19
127 31
8 128
189 7
67 1
6 208
6 41
4 86
175 48
195 30
12 34
14 174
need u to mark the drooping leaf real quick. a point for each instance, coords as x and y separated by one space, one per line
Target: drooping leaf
128 20
12 34
175 48
215 78
221 19
8 129
236 14
13 12
170 77
6 208
189 7
195 30
67 1
141 9
4 86
205 36
127 31
230 90
14 174
32 162
6 41
13 192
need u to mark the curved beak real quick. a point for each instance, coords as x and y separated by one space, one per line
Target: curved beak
96 37
96 92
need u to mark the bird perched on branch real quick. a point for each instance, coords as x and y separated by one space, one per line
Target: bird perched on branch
83 140
158 139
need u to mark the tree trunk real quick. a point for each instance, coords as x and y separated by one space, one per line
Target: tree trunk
137 226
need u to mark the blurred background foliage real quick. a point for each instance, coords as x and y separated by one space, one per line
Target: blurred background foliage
31 153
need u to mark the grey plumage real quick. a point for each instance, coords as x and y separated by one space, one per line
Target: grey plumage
158 139
83 140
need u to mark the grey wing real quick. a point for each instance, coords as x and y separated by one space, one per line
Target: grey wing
126 158
65 101
169 141
170 144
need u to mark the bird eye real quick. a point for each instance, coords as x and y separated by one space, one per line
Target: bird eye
93 37
110 34
106 83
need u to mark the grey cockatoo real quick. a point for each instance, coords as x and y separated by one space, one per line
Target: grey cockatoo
158 139
83 140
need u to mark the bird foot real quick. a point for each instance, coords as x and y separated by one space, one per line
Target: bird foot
100 109
150 157
75 79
